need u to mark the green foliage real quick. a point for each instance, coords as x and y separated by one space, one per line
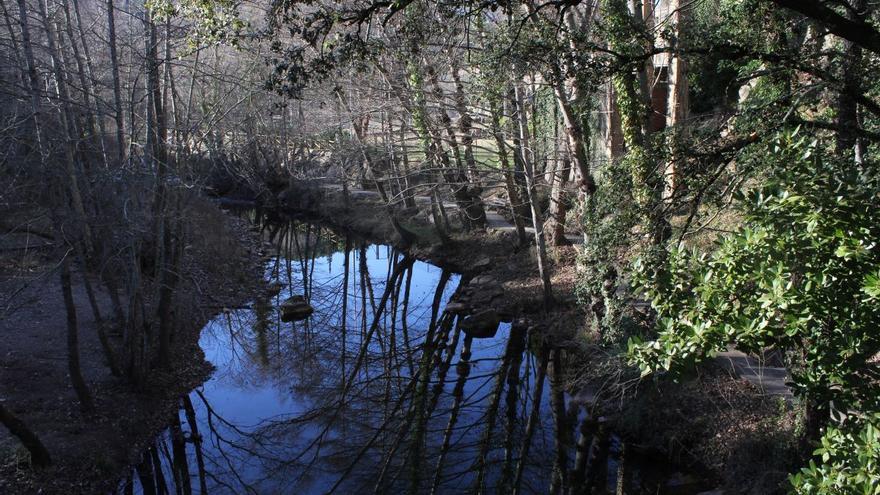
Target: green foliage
796 274
800 274
850 461
214 21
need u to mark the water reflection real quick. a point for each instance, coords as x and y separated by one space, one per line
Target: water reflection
379 390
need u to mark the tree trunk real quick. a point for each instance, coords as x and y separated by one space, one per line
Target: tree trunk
84 74
558 206
155 159
117 88
677 108
519 170
32 78
136 339
465 126
574 132
16 49
517 206
847 108
408 196
66 115
643 13
537 220
469 197
39 455
109 355
439 217
816 415
73 366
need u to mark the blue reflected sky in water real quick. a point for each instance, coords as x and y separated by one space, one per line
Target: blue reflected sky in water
269 375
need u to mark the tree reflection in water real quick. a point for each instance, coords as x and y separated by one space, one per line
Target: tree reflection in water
378 391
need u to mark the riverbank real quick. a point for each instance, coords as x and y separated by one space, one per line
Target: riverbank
221 268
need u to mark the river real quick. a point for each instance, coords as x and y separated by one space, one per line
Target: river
379 390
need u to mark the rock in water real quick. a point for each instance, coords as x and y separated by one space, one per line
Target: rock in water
456 307
484 280
295 309
482 325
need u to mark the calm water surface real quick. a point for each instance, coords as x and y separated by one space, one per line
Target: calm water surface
378 391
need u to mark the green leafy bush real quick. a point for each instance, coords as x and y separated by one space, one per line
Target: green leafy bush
801 274
850 461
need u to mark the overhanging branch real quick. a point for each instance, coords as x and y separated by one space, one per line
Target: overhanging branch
859 32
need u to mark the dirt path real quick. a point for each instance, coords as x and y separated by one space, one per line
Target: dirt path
770 380
35 386
495 222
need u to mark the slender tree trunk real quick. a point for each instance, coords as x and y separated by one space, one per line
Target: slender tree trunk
537 219
169 103
100 327
91 77
677 108
518 207
465 126
117 88
439 217
73 365
196 439
408 195
84 73
157 133
847 108
474 210
154 85
643 13
39 455
136 330
32 78
576 136
621 471
16 49
646 172
816 416
558 205
70 162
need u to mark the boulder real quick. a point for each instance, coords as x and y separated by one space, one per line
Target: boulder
295 309
457 307
482 325
483 280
